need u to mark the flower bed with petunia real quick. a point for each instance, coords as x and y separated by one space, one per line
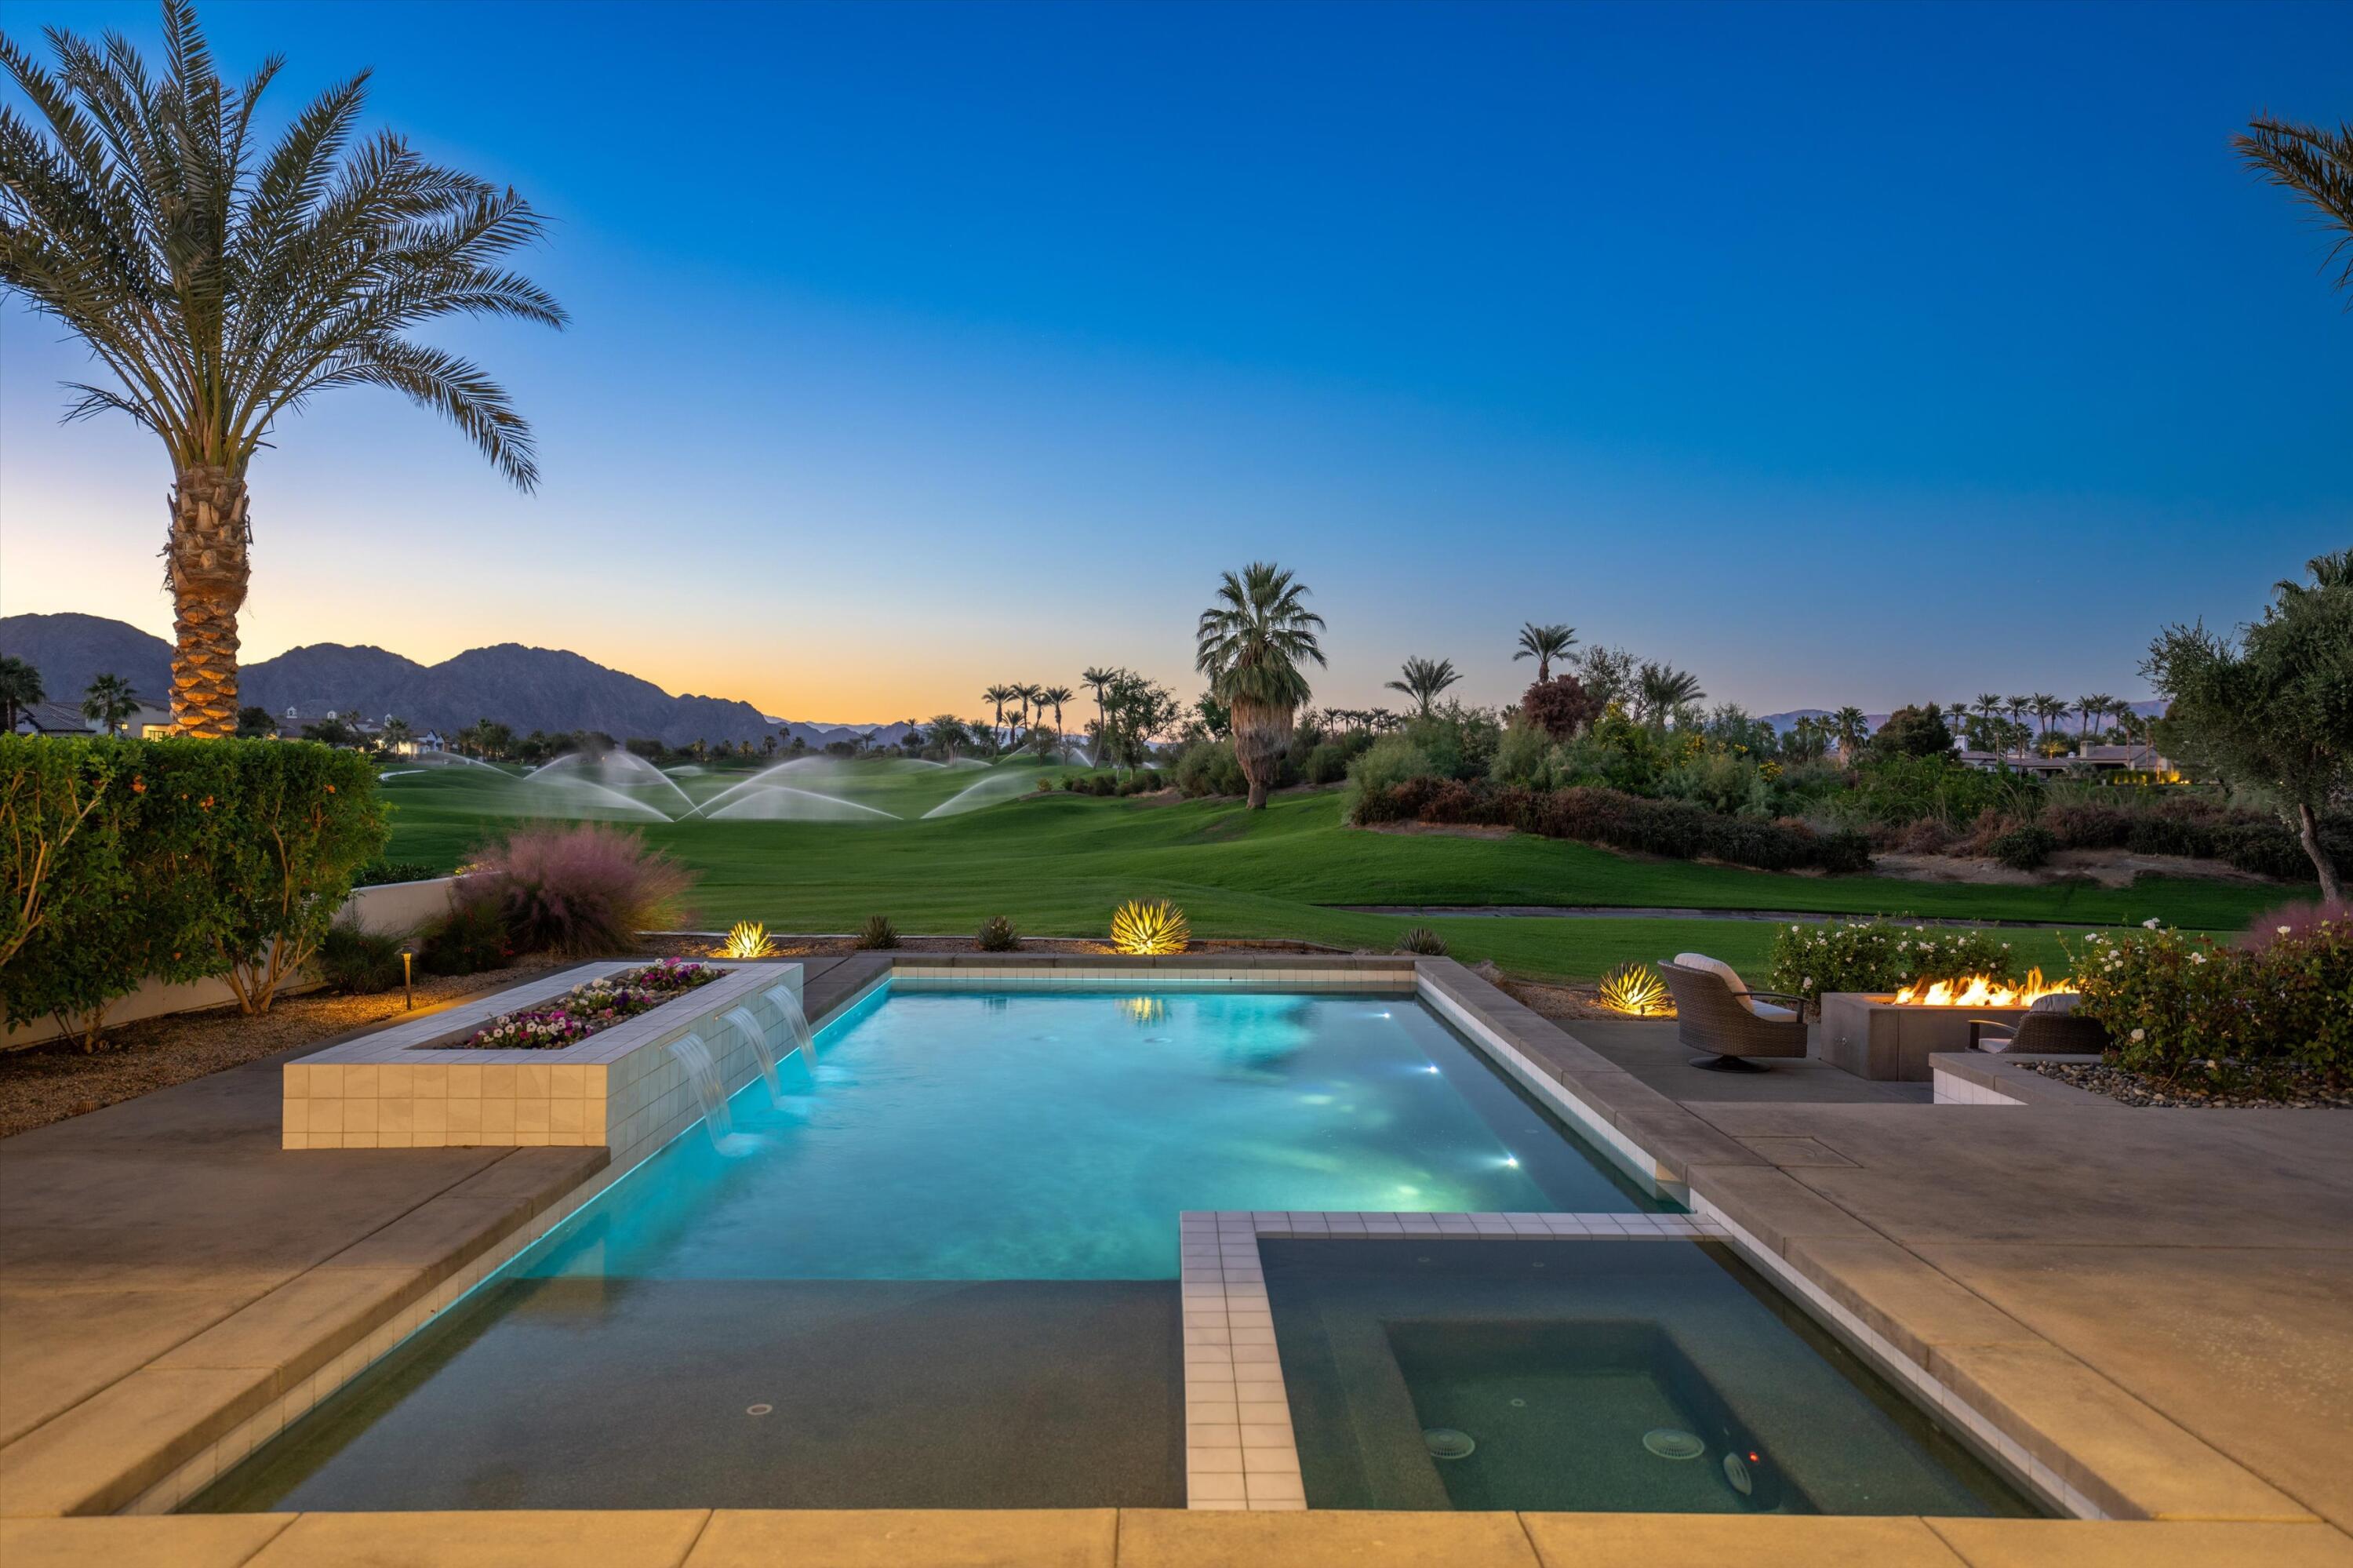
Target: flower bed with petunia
585 1009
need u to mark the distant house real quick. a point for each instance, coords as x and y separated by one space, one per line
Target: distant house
66 718
2092 759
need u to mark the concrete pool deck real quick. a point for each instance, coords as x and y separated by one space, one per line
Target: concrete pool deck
2154 1299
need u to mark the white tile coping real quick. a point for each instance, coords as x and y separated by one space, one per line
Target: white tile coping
914 974
1240 1450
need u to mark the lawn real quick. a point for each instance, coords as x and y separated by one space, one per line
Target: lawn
1057 864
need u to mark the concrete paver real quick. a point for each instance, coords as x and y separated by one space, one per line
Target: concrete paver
1748 1540
910 1538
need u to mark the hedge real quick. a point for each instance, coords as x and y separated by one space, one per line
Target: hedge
1675 829
171 859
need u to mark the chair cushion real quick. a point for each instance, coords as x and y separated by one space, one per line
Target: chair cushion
1731 976
2057 1002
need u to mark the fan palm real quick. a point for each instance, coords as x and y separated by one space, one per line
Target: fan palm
1054 697
1849 726
1098 680
2316 164
996 696
110 701
220 286
20 688
1544 644
2089 708
1251 643
1424 680
1026 693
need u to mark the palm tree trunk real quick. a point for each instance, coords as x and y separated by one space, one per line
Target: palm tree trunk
2307 825
210 561
1259 734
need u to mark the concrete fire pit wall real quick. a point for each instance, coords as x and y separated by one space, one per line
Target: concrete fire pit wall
1868 1035
407 1087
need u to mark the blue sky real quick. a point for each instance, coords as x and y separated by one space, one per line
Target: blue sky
1848 354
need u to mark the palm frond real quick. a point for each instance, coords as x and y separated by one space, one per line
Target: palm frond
2318 165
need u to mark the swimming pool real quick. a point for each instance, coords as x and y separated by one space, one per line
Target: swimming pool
958 1222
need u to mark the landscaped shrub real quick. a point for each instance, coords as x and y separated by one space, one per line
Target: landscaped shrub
1424 942
1668 828
1327 760
1559 708
878 932
1390 761
1809 960
998 935
579 888
471 938
359 961
1524 759
1209 768
1141 781
173 858
2178 1006
2024 848
377 873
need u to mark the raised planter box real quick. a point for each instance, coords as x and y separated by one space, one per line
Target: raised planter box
1868 1034
409 1086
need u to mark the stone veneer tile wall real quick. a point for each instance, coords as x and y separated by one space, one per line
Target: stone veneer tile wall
621 1089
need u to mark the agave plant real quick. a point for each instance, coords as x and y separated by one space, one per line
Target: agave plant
1251 643
878 932
748 940
219 286
998 935
1424 942
1636 991
1143 929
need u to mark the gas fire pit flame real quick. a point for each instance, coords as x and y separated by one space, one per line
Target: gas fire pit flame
1978 991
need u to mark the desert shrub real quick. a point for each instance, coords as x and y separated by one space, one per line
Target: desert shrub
1809 960
998 935
1424 942
1926 836
2025 847
471 938
377 873
1328 761
1209 767
1524 759
578 888
2294 920
1460 741
1141 781
354 959
2077 824
878 933
1559 708
2269 848
1897 787
1390 761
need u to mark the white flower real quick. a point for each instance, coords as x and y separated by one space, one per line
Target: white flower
2139 1034
2197 957
2283 931
2150 924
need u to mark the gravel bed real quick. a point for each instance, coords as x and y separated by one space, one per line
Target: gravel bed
2278 1091
47 1083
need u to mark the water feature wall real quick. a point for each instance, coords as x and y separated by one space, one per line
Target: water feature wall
624 1088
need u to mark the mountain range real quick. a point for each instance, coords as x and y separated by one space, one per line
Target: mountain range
525 688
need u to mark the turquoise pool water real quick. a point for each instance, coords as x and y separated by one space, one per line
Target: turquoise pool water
1056 1136
938 1270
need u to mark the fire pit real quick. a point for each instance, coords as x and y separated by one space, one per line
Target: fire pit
1880 1034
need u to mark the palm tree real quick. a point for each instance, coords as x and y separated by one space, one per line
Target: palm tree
1661 689
2317 165
1098 680
2018 707
2047 709
220 287
1424 680
1990 707
1251 643
1544 644
1027 692
20 688
2087 709
996 696
110 701
397 733
1054 697
1849 726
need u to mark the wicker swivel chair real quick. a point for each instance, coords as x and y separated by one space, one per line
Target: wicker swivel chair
1723 1018
2049 1029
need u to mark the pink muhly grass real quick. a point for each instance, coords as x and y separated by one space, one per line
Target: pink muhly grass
579 888
2295 922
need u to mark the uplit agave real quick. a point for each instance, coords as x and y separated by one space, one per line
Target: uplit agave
748 940
1636 991
1149 929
